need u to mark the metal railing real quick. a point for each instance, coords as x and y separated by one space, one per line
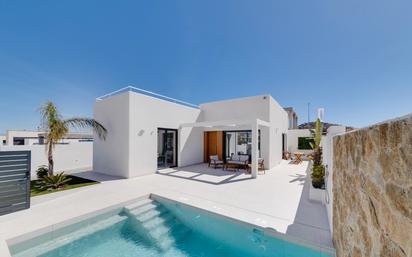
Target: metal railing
148 93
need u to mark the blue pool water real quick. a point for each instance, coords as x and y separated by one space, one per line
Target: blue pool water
161 228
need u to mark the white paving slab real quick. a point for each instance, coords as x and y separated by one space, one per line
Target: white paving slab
277 200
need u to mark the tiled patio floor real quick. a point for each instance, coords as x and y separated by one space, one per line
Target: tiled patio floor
277 199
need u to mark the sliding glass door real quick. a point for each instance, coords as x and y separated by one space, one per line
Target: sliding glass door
239 143
166 148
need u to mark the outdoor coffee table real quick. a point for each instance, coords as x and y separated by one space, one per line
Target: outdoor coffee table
227 166
298 157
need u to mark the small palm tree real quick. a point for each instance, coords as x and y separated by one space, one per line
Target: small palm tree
56 128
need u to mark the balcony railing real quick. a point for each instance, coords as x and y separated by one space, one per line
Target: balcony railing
148 93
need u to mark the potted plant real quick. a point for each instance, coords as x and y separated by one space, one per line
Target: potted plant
316 192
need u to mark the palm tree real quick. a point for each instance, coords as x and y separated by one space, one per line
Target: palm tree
56 128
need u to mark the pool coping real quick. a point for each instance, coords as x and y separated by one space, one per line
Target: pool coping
5 243
231 213
267 230
4 248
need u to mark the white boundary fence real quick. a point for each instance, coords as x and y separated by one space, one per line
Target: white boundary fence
67 157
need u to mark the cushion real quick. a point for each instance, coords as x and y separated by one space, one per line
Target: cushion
214 157
244 158
235 158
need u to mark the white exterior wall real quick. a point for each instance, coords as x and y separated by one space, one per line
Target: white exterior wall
112 155
2 138
279 125
147 114
248 108
132 120
327 150
11 134
70 140
31 141
32 137
76 156
293 135
262 107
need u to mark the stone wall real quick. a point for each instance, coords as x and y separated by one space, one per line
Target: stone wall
372 210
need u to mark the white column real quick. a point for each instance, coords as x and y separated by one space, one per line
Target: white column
254 164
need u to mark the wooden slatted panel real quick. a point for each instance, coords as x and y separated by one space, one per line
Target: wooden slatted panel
14 181
213 144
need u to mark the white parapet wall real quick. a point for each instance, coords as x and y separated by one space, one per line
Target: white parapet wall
67 157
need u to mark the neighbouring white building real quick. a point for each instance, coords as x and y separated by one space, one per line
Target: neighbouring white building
2 139
293 118
296 135
147 132
72 153
27 137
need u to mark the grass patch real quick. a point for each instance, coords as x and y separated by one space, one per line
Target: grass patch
75 182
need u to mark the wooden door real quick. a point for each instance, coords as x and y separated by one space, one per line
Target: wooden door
213 144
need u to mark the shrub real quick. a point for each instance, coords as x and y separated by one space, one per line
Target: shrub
305 143
42 171
318 175
318 170
54 182
317 156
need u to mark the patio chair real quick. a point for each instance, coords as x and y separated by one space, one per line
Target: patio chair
287 155
261 166
214 161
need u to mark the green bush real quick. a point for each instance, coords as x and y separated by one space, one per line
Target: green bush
318 176
305 143
42 171
54 182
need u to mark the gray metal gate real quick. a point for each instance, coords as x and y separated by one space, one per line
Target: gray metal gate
14 181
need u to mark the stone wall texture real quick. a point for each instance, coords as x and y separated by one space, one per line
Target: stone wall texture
372 210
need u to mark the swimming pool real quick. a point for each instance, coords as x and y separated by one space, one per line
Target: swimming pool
160 228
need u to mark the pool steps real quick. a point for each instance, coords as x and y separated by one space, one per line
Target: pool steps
72 236
161 227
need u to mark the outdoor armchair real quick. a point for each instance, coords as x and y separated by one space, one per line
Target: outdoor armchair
214 161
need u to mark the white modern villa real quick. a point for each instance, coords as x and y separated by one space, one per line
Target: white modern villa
149 132
176 179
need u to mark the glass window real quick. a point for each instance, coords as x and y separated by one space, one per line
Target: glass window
239 143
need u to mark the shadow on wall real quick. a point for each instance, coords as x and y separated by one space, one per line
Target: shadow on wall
192 150
311 221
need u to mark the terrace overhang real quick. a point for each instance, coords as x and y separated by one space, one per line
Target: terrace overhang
225 123
253 125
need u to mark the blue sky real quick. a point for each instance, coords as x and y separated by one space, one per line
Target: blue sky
354 58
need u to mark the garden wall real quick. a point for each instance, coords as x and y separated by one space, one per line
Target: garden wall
67 157
372 188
